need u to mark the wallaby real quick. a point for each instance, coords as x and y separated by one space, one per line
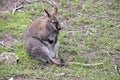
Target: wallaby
41 38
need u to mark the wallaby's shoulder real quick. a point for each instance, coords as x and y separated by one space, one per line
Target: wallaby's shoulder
39 23
37 27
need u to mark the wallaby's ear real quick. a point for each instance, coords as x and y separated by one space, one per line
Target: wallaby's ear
54 12
48 14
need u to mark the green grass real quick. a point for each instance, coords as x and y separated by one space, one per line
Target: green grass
89 38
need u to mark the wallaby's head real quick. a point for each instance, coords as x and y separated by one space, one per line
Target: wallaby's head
52 20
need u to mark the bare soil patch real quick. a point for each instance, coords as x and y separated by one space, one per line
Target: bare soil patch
8 5
8 41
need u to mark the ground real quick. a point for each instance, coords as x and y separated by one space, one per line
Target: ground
90 35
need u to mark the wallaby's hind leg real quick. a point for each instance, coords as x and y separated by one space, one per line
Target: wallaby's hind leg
38 50
40 54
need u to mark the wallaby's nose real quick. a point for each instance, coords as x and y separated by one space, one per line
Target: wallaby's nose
50 41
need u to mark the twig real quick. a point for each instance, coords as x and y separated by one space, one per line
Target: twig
117 25
85 65
48 2
16 8
45 1
60 74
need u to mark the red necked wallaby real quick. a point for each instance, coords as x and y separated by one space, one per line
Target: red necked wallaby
41 38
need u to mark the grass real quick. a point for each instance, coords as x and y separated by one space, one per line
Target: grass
89 38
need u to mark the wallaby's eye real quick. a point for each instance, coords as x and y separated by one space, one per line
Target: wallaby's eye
54 22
